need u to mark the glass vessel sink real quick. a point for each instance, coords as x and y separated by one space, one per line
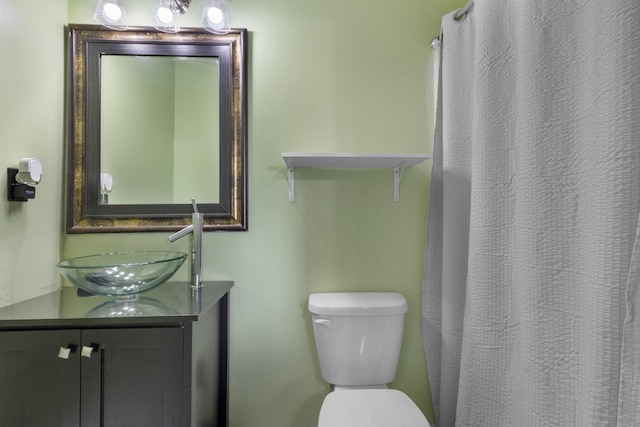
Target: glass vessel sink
121 274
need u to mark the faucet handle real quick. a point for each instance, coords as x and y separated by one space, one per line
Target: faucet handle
181 233
195 205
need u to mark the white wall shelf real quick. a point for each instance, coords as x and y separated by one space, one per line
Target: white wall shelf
396 161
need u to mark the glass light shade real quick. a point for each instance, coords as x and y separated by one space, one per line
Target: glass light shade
215 17
164 16
110 14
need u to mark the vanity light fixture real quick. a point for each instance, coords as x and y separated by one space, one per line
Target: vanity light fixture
165 15
111 14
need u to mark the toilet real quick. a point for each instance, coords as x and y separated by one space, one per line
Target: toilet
358 338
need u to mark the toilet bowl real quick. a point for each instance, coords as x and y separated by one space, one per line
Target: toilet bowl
371 408
358 338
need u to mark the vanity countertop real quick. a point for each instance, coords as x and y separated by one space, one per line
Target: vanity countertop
167 305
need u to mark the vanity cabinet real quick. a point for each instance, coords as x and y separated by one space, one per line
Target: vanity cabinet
99 377
93 371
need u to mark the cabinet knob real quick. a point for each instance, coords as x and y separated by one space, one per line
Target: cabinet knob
87 350
65 352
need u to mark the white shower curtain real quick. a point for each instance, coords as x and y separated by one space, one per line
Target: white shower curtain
531 299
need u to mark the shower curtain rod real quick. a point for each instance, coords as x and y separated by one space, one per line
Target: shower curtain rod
464 11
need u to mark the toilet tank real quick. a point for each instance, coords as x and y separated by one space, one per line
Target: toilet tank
358 336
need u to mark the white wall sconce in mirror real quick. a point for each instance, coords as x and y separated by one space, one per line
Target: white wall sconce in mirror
106 185
21 180
111 14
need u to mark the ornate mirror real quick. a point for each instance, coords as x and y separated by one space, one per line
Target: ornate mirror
156 119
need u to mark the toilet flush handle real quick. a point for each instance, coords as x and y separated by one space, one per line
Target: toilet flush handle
327 323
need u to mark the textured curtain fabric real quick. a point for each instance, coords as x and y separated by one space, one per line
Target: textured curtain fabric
531 299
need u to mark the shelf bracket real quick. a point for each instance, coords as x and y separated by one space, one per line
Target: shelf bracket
291 179
397 175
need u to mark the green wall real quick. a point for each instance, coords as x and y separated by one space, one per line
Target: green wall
324 76
31 125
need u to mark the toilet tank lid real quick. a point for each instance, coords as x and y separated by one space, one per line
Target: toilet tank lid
357 303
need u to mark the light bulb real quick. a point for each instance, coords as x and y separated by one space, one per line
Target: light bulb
164 15
215 15
112 12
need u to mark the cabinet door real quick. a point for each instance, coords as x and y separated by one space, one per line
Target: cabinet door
39 384
134 377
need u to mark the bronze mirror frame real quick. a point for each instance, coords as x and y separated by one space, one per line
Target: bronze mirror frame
85 46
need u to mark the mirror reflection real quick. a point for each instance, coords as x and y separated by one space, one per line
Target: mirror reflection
163 105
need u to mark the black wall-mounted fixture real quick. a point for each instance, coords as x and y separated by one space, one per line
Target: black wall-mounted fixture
21 180
17 192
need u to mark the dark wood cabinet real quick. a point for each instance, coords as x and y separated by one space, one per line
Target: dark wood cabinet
37 388
135 377
98 372
94 378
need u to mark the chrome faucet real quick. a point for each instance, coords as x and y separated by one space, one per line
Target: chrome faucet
196 245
